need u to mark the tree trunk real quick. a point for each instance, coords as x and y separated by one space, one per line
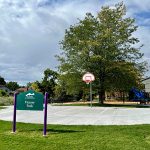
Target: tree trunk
101 96
101 88
123 97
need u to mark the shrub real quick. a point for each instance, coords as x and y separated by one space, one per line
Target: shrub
3 93
5 101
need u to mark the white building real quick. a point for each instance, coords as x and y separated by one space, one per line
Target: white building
146 82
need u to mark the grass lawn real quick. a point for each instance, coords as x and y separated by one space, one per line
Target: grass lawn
60 137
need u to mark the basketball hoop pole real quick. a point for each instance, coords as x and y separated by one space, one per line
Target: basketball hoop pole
91 93
88 78
90 83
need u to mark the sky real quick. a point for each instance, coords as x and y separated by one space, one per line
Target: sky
30 32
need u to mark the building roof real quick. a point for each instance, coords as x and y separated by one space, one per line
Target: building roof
2 86
24 89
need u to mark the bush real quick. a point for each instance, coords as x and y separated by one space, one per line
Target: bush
5 101
3 93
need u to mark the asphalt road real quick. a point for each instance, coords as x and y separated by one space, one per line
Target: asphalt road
81 115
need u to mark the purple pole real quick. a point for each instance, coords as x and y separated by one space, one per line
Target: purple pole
14 115
45 114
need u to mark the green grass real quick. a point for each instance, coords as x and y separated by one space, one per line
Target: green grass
103 105
60 137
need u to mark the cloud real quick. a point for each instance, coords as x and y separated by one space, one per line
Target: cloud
31 30
30 33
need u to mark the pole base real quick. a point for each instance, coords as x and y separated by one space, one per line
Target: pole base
13 132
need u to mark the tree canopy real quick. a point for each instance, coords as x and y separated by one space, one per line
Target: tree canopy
47 84
36 86
12 85
104 45
49 81
2 81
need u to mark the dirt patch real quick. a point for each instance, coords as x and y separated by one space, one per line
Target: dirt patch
106 102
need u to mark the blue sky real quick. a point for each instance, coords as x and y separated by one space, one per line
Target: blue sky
30 31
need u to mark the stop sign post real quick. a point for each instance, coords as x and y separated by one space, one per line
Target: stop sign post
88 78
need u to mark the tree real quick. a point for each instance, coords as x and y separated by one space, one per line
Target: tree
70 85
29 85
49 82
103 45
2 81
12 85
35 86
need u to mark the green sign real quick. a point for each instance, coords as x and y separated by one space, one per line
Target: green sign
30 100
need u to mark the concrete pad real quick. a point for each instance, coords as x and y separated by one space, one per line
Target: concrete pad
81 115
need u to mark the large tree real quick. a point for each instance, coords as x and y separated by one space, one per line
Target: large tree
105 46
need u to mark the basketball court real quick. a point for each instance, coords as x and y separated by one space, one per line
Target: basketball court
81 115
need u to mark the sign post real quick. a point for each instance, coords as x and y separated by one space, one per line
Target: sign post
14 114
30 100
45 114
88 78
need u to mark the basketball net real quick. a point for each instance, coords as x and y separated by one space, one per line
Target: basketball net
88 79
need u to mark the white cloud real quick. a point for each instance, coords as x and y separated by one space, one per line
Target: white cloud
30 32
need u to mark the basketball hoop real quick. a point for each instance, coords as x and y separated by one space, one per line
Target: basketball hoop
88 77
